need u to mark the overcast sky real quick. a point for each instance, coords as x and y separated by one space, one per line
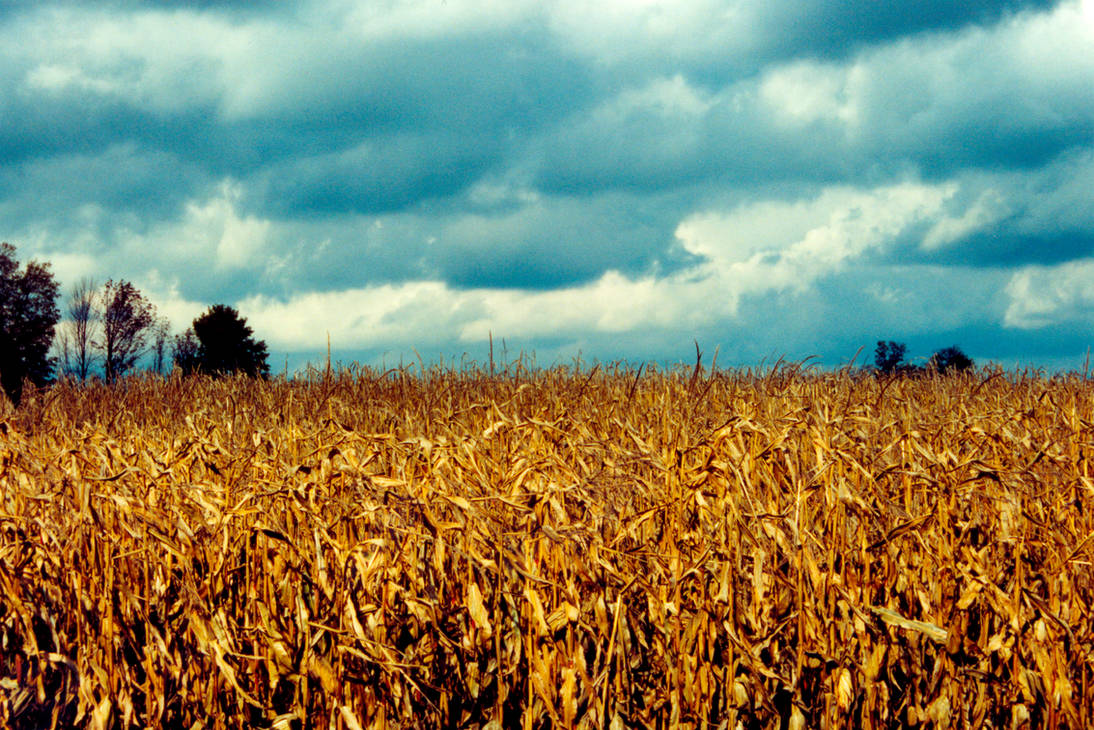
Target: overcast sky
614 178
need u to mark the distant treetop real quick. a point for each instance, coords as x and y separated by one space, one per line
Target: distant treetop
889 360
889 356
950 359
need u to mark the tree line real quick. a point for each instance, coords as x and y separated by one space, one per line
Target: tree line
889 359
107 331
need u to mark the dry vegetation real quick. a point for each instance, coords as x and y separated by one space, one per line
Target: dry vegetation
553 549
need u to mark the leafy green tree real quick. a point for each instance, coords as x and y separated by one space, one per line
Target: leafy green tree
221 342
950 359
28 317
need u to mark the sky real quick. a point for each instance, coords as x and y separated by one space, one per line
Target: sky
578 181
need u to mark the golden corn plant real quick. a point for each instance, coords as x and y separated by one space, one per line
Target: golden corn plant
549 548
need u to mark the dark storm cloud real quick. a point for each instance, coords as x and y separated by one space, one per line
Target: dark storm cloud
538 169
972 107
382 175
340 252
934 109
716 43
647 144
1006 246
537 245
350 127
831 29
558 242
123 179
237 6
43 126
474 82
1008 219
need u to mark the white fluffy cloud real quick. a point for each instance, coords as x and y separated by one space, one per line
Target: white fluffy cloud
164 62
775 245
1040 296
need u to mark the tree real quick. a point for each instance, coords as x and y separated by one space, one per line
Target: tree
77 338
127 321
28 317
161 330
950 359
889 356
225 344
187 351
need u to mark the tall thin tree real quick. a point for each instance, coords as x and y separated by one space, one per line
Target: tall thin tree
78 331
161 332
127 322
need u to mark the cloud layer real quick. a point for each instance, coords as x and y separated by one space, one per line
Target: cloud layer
612 180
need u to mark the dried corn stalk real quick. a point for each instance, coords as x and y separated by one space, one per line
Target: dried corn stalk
549 549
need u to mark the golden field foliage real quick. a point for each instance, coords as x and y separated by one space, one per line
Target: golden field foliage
600 549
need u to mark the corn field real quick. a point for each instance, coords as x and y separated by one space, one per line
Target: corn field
549 549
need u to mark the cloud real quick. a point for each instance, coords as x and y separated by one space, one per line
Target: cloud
986 210
710 38
1041 296
549 242
984 98
432 314
734 258
381 175
124 179
203 254
888 109
1013 218
801 240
